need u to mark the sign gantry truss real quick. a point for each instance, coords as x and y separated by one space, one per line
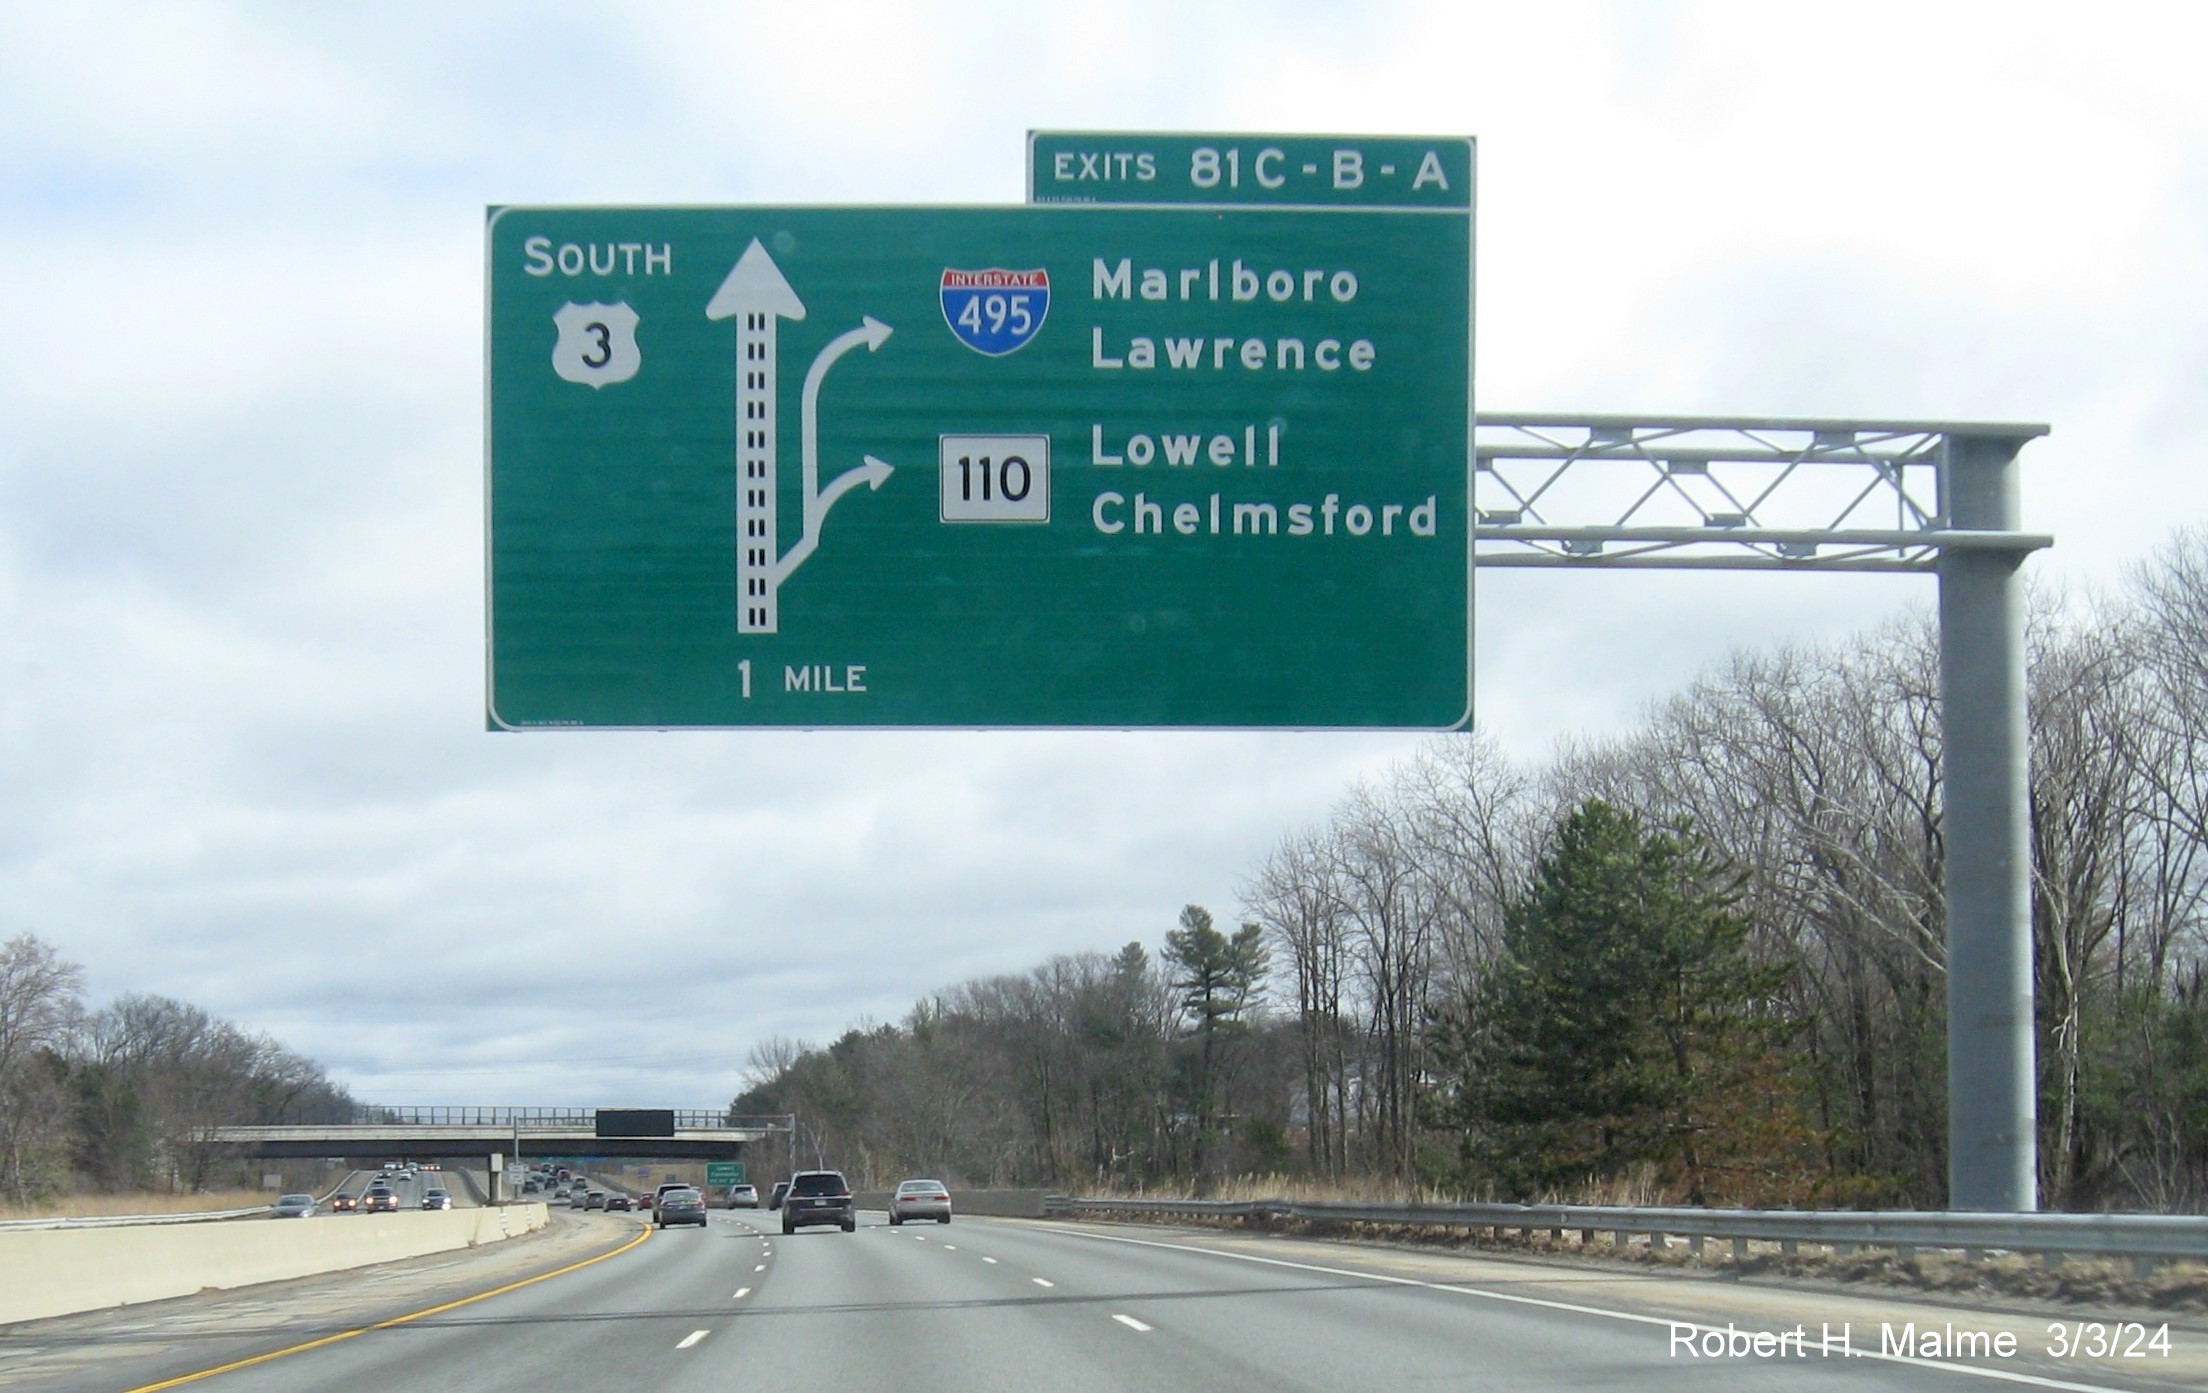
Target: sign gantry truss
1694 493
1688 492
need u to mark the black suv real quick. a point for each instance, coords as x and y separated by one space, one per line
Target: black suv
819 1197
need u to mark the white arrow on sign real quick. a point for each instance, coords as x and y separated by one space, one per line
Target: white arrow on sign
757 296
871 332
872 474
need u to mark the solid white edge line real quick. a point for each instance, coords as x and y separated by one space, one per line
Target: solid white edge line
1945 1366
1131 1323
692 1338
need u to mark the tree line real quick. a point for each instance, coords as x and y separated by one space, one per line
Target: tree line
123 1098
1705 955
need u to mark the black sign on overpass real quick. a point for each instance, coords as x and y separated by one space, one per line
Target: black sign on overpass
636 1122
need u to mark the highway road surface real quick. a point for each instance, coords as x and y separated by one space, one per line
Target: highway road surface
983 1305
462 1185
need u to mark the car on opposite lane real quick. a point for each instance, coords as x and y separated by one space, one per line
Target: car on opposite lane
434 1198
380 1198
292 1207
342 1203
680 1206
920 1199
819 1197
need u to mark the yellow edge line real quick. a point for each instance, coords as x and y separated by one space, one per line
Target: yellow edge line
387 1324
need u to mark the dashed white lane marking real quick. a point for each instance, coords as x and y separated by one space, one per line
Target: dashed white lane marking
760 1268
741 1293
1038 1281
1131 1323
989 1260
692 1338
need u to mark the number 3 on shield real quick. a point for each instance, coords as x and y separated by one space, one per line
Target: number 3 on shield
604 350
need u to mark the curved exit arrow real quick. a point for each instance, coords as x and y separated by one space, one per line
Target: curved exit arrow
871 332
873 474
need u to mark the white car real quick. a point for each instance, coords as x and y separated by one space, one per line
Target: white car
920 1199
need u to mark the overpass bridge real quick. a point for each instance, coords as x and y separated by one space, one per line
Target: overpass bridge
512 1134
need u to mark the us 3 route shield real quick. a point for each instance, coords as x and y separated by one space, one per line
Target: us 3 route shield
978 467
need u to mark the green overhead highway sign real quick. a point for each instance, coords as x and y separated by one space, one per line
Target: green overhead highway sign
1058 466
724 1173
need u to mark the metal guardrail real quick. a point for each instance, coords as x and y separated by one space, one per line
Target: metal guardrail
2144 1238
203 1216
117 1221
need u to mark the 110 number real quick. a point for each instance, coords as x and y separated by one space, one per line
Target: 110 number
1011 478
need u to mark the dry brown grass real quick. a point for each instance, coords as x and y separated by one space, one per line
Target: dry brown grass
87 1206
1639 1189
1316 1191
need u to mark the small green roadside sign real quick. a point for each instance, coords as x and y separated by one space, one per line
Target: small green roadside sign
1197 465
724 1173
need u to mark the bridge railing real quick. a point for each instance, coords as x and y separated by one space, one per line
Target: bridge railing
525 1118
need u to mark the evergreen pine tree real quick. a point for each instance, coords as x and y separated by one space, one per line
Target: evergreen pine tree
1623 1022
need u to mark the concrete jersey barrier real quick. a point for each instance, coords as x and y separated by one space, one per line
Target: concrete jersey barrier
56 1272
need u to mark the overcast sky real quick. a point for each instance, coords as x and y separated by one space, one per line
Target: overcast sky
242 750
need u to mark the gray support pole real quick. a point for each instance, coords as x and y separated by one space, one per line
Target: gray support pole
1992 1141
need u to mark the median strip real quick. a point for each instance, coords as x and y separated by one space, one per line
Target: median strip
182 1379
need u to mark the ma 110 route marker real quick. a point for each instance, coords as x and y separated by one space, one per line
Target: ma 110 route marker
1203 461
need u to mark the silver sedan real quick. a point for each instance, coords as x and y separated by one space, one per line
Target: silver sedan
920 1199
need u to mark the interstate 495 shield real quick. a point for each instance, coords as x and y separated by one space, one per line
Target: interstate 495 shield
1059 466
